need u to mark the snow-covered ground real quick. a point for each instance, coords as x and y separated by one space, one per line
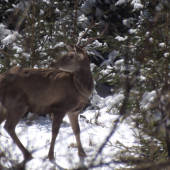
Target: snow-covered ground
36 137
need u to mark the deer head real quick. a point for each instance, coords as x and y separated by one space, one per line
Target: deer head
73 61
60 90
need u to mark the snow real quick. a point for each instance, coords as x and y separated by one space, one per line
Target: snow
127 21
10 38
112 100
19 50
111 57
96 99
159 7
151 40
41 12
119 62
57 10
150 117
137 4
96 44
142 78
162 45
148 99
166 54
121 2
35 134
4 32
60 44
83 20
92 66
119 38
133 31
94 53
22 5
147 34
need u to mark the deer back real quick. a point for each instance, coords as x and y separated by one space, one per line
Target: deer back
62 89
67 84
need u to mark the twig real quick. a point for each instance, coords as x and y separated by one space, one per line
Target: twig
75 20
23 16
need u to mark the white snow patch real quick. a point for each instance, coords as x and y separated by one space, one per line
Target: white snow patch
159 7
162 45
10 38
166 54
151 40
92 66
4 32
22 5
142 78
137 4
97 44
127 21
60 44
121 2
119 38
83 21
112 100
148 98
19 50
57 10
147 34
133 31
119 62
96 99
111 58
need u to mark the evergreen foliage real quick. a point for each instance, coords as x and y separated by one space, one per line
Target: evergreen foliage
132 58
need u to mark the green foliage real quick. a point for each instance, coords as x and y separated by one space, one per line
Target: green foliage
138 66
145 69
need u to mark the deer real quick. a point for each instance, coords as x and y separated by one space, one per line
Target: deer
63 89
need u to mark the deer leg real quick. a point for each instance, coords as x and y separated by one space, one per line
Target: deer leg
57 119
73 117
2 117
3 114
11 122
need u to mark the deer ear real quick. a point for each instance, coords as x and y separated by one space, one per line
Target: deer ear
69 47
80 51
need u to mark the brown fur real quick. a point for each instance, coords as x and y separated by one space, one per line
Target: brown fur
63 89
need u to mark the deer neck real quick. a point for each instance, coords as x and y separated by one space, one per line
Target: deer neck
84 82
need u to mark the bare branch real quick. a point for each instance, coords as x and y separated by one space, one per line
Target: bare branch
98 36
23 16
91 26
